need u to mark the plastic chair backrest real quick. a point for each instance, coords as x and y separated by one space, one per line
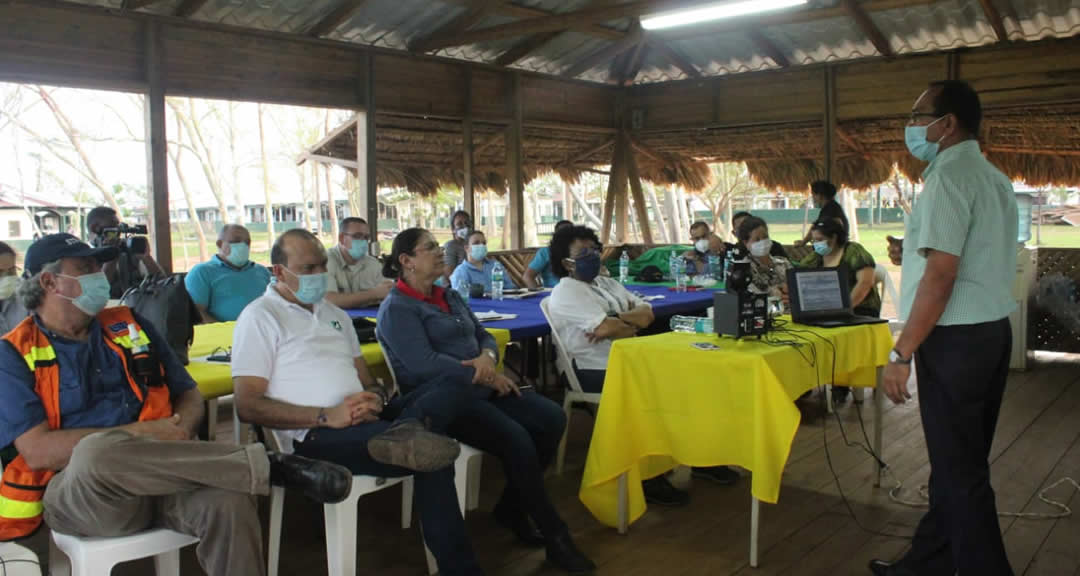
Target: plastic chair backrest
564 360
884 280
386 359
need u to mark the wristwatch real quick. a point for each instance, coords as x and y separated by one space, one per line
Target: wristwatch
896 358
491 354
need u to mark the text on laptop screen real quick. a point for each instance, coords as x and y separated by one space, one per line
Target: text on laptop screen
819 291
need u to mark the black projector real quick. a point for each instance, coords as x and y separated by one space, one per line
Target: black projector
740 314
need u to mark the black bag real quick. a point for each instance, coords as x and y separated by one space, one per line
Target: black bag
165 304
650 274
365 330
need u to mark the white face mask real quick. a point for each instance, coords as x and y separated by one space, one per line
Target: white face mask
702 245
7 286
761 248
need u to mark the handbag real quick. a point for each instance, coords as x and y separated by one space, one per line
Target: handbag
164 303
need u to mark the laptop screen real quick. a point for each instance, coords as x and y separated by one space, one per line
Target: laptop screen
819 291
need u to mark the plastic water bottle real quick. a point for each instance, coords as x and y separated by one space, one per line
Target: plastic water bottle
691 324
727 267
462 288
497 282
714 266
680 275
624 267
673 266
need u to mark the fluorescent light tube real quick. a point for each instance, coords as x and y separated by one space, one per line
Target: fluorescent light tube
715 12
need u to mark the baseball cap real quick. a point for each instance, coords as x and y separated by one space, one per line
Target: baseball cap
57 246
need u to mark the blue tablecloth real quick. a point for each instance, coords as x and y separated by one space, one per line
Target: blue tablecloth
530 322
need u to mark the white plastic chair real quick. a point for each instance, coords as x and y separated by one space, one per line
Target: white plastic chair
564 362
884 284
75 556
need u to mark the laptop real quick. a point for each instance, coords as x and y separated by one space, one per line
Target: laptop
820 297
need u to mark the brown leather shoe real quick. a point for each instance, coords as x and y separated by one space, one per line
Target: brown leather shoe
407 444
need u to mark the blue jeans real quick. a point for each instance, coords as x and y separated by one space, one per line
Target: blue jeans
437 404
523 433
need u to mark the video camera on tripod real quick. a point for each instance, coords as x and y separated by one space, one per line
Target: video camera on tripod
128 238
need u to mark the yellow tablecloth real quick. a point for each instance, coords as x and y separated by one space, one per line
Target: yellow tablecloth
215 379
666 403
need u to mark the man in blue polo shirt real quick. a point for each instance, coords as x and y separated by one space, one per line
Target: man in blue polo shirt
476 269
222 287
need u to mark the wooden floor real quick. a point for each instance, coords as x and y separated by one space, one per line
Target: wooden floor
809 533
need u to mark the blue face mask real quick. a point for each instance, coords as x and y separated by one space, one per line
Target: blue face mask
918 145
587 267
478 251
822 248
358 249
238 254
312 287
95 292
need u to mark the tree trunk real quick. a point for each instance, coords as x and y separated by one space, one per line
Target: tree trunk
334 231
591 218
268 205
191 123
506 220
489 211
672 215
568 201
193 214
530 218
314 171
650 191
241 217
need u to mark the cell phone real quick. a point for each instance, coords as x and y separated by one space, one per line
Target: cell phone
705 346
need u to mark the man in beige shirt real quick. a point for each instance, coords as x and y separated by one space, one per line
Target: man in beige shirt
355 277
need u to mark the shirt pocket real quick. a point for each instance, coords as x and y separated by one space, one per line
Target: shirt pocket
73 395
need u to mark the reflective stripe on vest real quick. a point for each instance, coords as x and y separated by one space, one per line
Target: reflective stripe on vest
40 356
20 510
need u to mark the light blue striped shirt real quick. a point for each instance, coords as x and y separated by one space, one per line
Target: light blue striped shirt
968 209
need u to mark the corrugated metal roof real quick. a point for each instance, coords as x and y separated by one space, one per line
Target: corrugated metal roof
920 27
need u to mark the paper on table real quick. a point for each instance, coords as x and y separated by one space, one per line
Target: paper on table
653 297
493 315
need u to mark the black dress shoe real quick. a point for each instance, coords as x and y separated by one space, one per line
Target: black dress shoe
562 552
321 481
722 475
518 522
883 568
659 491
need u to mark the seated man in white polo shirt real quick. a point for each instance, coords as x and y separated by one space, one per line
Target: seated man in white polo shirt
355 278
297 367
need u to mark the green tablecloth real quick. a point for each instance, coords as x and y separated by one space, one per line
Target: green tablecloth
655 257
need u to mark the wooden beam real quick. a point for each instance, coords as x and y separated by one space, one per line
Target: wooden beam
525 47
564 21
767 48
678 60
335 18
1032 151
319 158
602 55
856 12
157 153
467 19
515 175
468 164
830 122
365 148
488 143
641 210
577 157
137 4
632 60
509 8
994 17
188 8
613 191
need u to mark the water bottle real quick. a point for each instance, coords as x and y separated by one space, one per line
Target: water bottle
727 267
714 266
462 288
680 275
691 324
497 282
624 267
673 267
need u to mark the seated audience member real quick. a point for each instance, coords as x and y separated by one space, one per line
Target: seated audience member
589 312
127 269
11 310
477 267
430 334
768 273
824 194
456 248
222 286
833 250
705 243
355 277
539 273
103 416
291 337
776 249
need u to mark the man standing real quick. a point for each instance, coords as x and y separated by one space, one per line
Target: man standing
102 415
130 266
229 281
354 278
292 337
824 194
959 259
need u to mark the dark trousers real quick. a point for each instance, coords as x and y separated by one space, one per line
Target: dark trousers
523 432
962 372
436 403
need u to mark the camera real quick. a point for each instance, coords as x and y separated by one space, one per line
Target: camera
128 238
739 312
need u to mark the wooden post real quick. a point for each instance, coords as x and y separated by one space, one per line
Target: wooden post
467 149
157 155
568 202
641 210
615 203
515 177
365 149
830 123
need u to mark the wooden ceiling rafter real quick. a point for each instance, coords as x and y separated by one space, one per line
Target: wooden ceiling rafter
188 8
635 64
767 47
604 54
856 12
334 18
467 19
508 8
525 47
994 17
137 4
676 58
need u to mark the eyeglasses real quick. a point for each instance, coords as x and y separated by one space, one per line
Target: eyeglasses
429 247
916 115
